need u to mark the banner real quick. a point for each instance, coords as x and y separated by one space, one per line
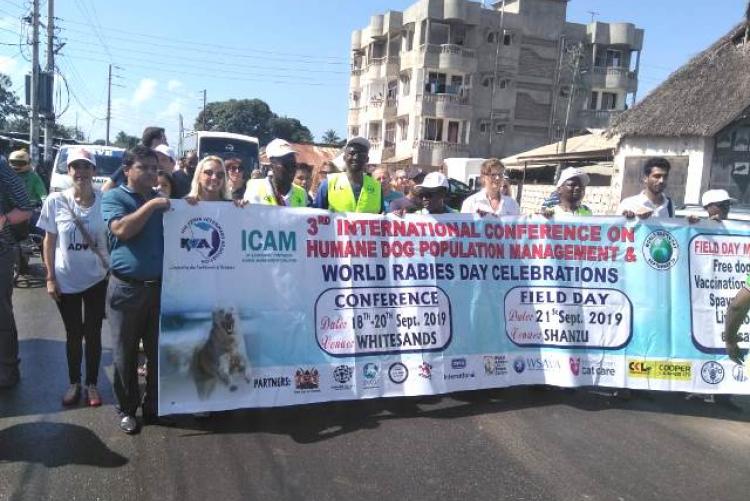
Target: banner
264 307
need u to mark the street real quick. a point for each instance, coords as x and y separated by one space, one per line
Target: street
501 444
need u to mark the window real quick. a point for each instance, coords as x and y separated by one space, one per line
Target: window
439 33
390 134
457 83
453 128
458 34
491 37
408 40
373 133
508 38
405 84
609 101
433 129
377 50
392 89
594 102
499 128
730 169
354 132
614 58
504 83
403 126
564 92
487 82
436 83
422 31
484 127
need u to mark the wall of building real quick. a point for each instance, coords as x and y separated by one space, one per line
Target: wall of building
698 151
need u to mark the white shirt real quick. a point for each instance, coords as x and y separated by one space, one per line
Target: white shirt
77 267
640 203
255 196
480 202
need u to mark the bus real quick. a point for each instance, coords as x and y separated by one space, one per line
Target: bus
225 145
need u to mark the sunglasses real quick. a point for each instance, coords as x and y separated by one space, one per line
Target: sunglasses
211 173
233 168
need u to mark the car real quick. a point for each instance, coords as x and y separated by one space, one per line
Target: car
108 160
457 193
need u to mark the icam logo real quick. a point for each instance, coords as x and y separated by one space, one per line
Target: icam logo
661 250
205 237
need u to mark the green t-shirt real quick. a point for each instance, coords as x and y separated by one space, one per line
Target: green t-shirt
34 186
582 210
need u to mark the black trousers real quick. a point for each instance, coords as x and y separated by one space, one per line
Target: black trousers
83 313
133 315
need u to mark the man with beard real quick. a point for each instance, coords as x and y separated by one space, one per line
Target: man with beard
353 190
651 202
279 189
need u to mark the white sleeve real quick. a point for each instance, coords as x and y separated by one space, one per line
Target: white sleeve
513 208
467 207
46 220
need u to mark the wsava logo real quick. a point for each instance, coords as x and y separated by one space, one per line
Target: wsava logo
661 250
204 237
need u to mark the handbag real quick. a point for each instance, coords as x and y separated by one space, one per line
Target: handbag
86 236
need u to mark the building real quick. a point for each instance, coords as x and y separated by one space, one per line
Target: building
451 78
699 119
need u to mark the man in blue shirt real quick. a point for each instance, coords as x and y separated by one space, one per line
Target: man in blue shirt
15 208
133 214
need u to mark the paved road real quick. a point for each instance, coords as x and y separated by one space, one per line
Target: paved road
513 444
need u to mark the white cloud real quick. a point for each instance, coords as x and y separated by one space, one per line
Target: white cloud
174 108
145 91
173 85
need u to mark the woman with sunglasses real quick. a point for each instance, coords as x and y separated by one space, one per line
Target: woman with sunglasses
209 182
235 178
491 199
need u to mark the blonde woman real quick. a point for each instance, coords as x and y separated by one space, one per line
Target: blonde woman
209 182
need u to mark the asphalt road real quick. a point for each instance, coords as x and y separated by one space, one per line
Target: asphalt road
505 444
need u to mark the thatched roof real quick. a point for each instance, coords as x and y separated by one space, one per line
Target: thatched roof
700 98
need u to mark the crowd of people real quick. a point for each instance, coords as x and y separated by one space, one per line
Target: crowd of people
103 250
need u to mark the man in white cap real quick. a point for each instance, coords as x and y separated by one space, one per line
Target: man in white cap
651 202
432 192
717 203
353 190
571 188
279 189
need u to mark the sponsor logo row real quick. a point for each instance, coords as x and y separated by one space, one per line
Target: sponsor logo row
374 374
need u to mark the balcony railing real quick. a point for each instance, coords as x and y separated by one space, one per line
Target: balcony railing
446 98
445 145
613 70
447 49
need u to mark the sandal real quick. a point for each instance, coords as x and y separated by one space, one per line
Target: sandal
92 396
72 396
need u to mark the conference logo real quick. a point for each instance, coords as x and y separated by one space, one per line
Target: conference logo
398 373
676 370
495 365
343 375
425 370
661 250
712 372
575 365
738 373
203 236
371 375
307 380
519 365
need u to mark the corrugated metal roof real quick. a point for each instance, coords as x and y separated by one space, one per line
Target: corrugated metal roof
586 146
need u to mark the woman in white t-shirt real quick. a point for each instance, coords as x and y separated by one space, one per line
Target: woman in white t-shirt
75 253
490 200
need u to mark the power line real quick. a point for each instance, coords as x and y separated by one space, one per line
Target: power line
242 50
92 25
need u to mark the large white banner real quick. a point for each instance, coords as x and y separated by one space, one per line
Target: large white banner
263 306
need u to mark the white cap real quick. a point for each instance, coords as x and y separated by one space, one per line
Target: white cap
360 141
716 197
434 180
279 148
165 150
76 154
572 172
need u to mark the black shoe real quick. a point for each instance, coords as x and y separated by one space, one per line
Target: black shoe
129 425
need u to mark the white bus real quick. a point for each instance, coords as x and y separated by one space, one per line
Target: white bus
225 145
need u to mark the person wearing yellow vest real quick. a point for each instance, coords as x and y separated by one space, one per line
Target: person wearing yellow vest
279 189
353 190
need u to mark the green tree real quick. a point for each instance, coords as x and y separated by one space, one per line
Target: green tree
290 129
330 137
126 141
100 142
10 108
252 117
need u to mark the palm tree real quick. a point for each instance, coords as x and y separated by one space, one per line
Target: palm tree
330 137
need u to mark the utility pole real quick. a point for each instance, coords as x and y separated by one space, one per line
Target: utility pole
499 39
109 103
577 53
49 121
34 94
204 109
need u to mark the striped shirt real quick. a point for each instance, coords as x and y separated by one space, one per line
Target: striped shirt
12 196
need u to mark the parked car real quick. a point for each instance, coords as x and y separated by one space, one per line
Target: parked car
457 193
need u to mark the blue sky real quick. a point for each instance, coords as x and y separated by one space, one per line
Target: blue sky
293 54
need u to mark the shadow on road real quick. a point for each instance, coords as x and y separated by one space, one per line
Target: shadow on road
318 422
44 379
56 444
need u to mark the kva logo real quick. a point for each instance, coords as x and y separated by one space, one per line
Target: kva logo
203 236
